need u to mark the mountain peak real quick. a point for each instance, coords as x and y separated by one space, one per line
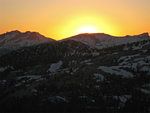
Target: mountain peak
11 33
144 35
17 34
20 39
14 31
29 32
34 35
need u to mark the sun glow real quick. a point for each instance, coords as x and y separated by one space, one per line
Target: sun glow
85 23
87 29
82 23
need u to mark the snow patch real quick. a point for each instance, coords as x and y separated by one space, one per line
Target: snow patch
145 69
99 77
86 61
61 98
136 47
122 98
95 54
3 81
125 48
146 85
145 91
18 84
54 67
57 98
34 91
116 70
30 77
126 58
2 69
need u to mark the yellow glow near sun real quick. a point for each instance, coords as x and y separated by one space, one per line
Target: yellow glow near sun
81 23
87 29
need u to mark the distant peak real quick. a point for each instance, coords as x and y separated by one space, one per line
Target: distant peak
144 34
15 31
10 33
34 34
29 32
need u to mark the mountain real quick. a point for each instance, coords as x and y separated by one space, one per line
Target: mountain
101 40
71 76
15 39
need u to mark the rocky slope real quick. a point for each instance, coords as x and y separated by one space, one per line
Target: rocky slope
69 76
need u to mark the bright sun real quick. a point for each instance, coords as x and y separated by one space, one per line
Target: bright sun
87 29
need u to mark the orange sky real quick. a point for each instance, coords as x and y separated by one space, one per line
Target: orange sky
63 18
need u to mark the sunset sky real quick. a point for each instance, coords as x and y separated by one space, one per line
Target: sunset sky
59 19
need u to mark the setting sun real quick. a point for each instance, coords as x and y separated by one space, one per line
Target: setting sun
87 29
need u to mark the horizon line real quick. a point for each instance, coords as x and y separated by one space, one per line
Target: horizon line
74 35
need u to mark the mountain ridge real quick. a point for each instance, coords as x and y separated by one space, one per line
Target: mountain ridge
15 39
145 34
101 40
